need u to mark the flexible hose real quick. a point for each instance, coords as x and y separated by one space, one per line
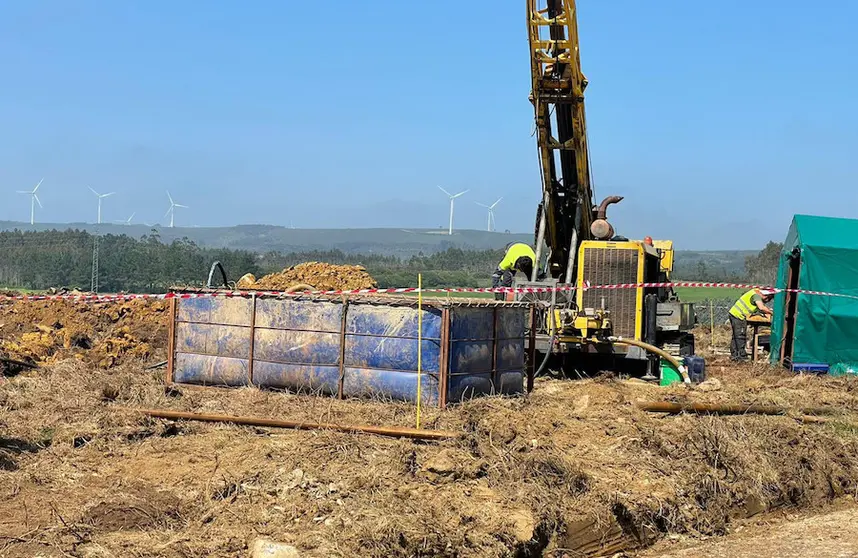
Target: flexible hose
620 341
550 341
300 287
655 350
547 355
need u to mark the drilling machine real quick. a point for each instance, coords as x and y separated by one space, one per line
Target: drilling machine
576 245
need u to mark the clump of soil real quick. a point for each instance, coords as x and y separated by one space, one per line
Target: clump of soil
133 509
102 334
320 276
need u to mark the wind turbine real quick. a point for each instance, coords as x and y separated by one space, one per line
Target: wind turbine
100 197
33 201
491 208
173 205
126 221
452 200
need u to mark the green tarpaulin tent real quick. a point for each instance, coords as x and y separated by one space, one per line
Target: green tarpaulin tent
819 254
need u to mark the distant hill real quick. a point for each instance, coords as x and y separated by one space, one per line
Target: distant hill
265 238
390 242
715 265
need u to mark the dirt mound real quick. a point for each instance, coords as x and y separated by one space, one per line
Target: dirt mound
575 465
104 334
320 276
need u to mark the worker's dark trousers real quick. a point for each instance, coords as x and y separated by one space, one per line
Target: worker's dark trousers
740 338
502 279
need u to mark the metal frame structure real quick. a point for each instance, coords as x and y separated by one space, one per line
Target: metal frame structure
442 377
557 95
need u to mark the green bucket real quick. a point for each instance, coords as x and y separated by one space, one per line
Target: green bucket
669 374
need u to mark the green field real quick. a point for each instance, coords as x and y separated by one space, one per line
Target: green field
454 295
696 294
20 290
686 294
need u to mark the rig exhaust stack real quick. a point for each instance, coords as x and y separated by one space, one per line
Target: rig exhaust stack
601 229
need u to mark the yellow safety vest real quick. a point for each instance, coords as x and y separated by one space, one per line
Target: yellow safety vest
515 252
745 307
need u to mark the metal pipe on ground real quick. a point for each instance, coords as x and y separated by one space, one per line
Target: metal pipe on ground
725 409
391 431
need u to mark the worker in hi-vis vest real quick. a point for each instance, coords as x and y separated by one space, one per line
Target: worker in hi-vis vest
750 303
518 257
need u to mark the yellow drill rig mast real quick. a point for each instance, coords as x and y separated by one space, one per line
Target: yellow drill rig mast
575 244
557 95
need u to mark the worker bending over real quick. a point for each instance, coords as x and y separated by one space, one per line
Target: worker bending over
518 257
750 303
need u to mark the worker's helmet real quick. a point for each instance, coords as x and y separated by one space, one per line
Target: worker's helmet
768 292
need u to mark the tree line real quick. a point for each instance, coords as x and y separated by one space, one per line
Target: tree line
39 260
42 259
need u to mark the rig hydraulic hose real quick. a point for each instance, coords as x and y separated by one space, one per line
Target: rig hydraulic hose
655 350
550 341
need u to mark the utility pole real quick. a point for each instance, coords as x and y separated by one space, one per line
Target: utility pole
94 281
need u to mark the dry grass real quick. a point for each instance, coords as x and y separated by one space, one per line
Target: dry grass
81 476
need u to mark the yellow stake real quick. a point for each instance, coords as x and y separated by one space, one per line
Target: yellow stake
419 340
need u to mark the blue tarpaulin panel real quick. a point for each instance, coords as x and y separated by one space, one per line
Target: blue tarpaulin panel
359 348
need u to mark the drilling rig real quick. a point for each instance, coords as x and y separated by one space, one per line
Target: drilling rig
576 246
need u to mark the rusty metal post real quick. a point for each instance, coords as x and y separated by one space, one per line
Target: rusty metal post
392 431
494 349
531 369
670 407
444 360
252 339
342 379
171 339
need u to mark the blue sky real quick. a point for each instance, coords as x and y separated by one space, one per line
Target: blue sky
717 121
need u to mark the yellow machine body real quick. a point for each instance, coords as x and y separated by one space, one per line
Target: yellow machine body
604 263
571 227
665 248
571 326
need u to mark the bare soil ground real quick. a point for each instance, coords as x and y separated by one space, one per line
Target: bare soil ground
831 534
573 469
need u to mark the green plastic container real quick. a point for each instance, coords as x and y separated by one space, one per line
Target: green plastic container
669 374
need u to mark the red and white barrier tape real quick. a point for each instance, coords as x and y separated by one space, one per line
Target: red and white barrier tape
405 290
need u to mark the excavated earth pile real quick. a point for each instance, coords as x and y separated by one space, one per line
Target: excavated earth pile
574 469
320 276
101 334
